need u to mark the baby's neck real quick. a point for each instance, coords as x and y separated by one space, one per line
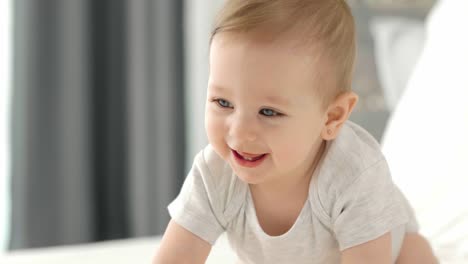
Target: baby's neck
289 187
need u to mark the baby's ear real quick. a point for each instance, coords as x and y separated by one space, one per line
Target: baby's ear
337 114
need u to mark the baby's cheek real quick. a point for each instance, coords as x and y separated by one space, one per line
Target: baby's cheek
216 137
212 126
293 151
287 152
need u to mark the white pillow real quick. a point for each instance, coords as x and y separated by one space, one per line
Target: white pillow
426 140
398 43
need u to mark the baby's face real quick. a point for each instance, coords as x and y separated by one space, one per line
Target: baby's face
262 115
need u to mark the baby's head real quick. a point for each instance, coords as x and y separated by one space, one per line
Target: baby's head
320 31
279 84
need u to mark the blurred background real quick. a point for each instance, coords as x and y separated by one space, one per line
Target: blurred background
102 107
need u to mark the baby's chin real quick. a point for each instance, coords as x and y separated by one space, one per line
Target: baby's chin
250 178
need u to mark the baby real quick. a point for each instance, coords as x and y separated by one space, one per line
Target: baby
285 175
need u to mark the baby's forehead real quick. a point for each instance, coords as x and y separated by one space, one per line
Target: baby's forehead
289 43
280 57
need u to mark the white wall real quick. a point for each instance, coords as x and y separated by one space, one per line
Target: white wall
199 17
5 93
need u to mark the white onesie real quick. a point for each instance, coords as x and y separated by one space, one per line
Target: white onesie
352 200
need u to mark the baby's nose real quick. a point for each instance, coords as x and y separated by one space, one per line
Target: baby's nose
243 130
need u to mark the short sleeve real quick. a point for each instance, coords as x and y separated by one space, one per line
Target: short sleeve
368 208
197 207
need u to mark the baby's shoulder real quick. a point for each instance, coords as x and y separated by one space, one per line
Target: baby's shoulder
348 156
221 183
214 168
213 165
346 161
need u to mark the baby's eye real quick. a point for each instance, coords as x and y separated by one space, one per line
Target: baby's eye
269 112
223 103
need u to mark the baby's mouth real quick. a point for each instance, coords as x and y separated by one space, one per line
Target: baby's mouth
247 156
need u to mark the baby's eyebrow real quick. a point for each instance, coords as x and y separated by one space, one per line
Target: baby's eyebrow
218 88
278 100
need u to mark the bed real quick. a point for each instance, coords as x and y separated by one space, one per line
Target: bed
139 250
426 139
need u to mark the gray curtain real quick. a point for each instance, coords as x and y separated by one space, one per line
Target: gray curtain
98 127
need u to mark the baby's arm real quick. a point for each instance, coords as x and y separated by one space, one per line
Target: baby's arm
416 249
378 250
179 245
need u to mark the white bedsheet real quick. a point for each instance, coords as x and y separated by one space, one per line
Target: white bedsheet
139 250
426 141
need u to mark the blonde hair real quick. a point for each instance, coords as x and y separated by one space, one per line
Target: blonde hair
324 24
